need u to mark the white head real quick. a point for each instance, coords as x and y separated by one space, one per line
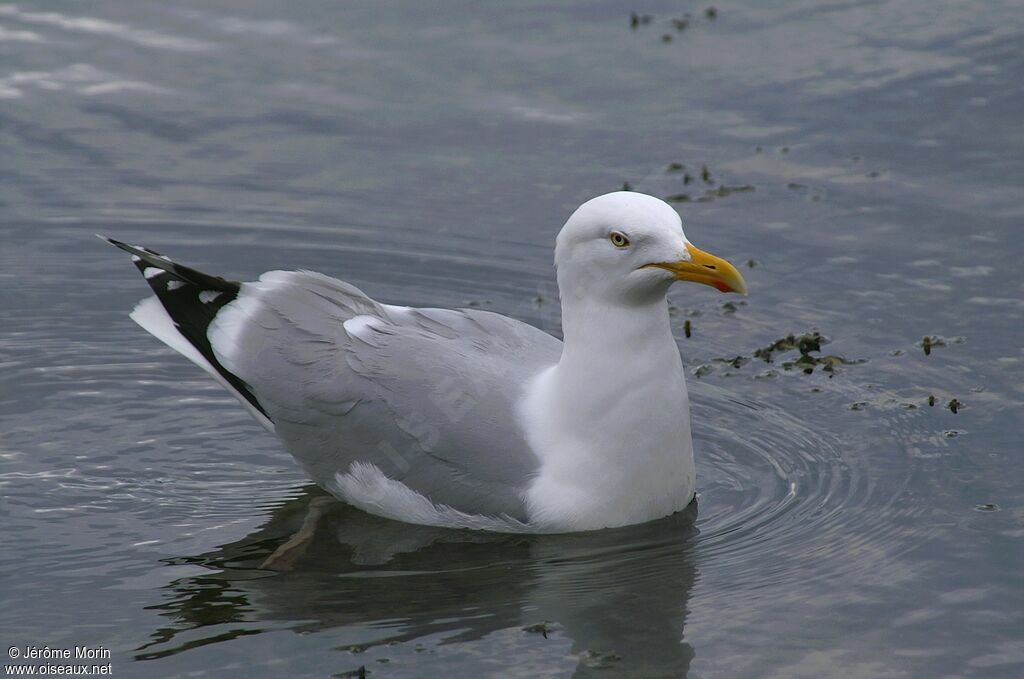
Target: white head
628 248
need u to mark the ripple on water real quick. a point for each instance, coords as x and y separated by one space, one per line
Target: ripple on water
774 488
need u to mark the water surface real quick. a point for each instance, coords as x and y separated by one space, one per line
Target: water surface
862 161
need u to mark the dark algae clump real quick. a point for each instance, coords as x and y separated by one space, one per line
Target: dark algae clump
725 190
679 23
637 19
929 342
719 189
702 370
806 344
736 361
542 628
955 406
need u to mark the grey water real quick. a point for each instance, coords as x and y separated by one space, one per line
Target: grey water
862 162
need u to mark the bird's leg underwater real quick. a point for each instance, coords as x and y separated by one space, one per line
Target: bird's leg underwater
285 556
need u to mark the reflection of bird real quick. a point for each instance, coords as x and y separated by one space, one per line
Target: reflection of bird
617 597
464 417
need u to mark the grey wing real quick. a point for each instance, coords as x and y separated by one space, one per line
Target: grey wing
428 396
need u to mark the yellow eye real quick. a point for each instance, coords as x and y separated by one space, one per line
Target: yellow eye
619 240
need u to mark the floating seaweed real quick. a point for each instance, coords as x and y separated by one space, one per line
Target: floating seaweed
542 628
954 406
724 190
719 190
735 362
702 370
929 342
805 344
686 328
637 19
710 194
828 363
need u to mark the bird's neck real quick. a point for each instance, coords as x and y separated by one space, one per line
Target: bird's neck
619 364
613 342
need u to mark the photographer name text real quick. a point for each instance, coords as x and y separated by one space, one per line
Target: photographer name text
54 653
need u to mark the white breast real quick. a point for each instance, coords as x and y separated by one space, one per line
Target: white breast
614 450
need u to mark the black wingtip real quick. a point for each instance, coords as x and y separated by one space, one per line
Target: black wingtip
115 243
179 289
112 241
138 251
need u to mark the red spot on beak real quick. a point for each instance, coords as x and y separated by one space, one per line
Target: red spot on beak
722 287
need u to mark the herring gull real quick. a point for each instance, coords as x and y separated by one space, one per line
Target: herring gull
463 417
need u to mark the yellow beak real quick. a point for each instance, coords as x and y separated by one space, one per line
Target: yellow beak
705 268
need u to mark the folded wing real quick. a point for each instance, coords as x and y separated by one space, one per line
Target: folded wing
423 397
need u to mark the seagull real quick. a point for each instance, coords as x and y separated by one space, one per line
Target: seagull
465 418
